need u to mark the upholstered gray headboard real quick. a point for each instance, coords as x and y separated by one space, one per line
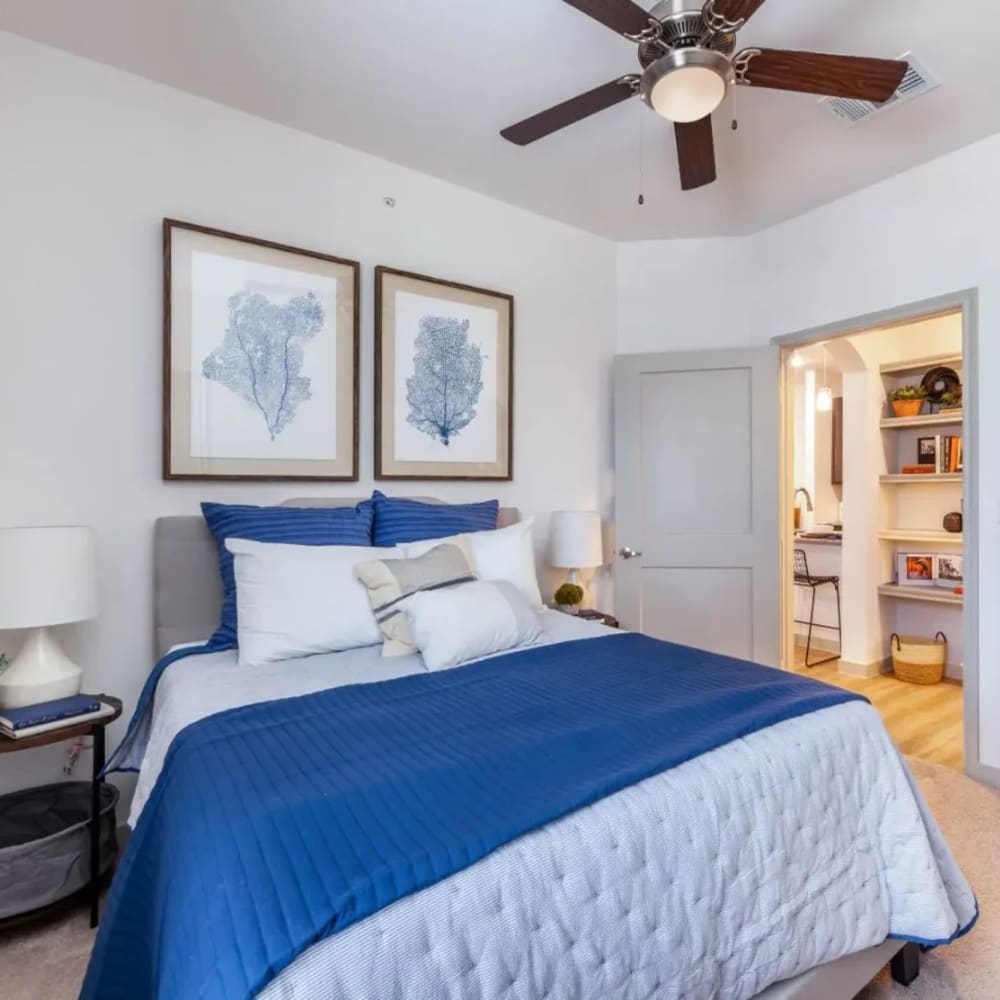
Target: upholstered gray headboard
187 593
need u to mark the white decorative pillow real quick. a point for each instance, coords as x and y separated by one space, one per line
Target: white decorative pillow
505 554
297 600
471 620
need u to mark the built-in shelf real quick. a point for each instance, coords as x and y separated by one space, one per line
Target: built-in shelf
929 595
928 479
921 365
918 537
925 420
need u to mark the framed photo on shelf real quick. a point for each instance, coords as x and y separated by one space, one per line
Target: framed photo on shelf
950 571
916 569
927 451
260 359
444 363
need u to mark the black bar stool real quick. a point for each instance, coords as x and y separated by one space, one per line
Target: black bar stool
803 578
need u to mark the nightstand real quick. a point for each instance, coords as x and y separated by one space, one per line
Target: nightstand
590 615
93 728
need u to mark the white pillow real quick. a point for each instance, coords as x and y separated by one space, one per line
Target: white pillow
468 621
505 554
296 600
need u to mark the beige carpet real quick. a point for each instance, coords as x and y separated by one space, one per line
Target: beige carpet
46 960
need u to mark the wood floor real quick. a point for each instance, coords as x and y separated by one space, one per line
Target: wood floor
925 721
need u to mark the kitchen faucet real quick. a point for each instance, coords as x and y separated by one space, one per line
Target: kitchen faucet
809 499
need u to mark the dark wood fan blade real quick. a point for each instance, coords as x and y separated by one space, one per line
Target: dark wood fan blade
695 153
571 111
737 10
618 15
818 73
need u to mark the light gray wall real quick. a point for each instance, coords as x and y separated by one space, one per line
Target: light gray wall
93 159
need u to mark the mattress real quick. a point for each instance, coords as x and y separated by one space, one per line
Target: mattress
768 856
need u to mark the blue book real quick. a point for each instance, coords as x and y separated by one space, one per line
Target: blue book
58 710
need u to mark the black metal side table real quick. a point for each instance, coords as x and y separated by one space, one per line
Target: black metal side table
94 728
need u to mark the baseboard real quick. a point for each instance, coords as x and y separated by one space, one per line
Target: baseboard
871 669
830 645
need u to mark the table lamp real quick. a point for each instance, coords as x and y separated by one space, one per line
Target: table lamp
48 576
575 541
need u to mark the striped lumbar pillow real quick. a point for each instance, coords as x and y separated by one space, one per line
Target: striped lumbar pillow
391 581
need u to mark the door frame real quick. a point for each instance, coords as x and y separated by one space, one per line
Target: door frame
965 301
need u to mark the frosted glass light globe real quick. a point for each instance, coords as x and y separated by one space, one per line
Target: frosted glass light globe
688 94
686 85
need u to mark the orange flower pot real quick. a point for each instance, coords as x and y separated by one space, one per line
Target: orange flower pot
907 407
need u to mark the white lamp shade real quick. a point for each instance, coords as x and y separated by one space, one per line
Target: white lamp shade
48 576
575 539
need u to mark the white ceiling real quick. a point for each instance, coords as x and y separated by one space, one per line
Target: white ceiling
429 84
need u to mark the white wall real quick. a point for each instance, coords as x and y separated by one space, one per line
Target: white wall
92 160
927 232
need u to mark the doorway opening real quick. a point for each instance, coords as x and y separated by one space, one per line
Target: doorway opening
876 563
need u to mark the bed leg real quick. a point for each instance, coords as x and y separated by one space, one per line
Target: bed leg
905 964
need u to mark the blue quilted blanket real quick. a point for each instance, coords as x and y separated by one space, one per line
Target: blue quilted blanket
275 825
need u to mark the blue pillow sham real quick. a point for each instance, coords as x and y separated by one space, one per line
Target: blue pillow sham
294 525
399 520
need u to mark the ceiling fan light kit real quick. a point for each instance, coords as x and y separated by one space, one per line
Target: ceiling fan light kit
686 85
686 54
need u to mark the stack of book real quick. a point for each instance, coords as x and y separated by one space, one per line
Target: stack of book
948 453
19 723
937 455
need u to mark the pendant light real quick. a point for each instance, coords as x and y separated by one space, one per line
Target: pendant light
824 395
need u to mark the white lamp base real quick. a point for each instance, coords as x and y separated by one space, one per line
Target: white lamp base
41 671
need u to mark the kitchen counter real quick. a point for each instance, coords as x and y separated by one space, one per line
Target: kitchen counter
801 540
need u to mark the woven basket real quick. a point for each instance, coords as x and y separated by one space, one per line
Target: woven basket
918 660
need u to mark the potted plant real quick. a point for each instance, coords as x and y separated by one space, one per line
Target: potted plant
907 400
568 597
951 400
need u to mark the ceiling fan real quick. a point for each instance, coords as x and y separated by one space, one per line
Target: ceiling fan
686 53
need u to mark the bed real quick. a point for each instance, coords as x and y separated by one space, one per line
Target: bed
792 862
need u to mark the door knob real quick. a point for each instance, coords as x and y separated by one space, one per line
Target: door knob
628 553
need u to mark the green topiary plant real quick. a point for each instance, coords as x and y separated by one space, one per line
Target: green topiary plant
953 398
569 594
909 392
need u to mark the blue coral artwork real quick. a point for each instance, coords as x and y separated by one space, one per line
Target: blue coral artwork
264 361
444 379
447 378
445 372
262 354
260 370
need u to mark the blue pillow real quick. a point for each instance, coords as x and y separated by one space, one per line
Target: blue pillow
295 525
398 520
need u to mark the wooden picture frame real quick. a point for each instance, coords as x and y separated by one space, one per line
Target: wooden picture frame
422 323
260 359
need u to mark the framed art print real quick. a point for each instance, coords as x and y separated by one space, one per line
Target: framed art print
444 357
950 571
260 364
916 569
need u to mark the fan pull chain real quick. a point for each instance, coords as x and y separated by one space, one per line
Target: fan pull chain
642 197
735 126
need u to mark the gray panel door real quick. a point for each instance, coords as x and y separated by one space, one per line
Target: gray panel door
697 450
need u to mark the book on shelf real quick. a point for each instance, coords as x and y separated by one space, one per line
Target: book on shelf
17 723
918 470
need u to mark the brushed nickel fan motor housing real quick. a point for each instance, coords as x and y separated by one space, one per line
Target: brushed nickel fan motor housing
683 26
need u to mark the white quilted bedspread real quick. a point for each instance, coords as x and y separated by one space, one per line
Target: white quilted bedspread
790 848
